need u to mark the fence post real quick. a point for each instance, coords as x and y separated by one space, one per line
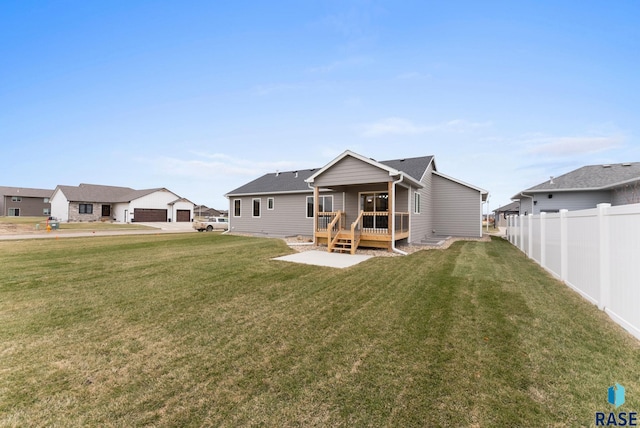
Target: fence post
603 243
521 234
543 240
530 234
564 259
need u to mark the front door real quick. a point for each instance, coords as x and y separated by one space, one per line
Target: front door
106 211
375 202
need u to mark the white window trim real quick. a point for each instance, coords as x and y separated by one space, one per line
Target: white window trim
271 202
239 208
417 202
306 206
253 207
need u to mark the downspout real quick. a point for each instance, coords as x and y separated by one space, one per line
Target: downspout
527 196
393 218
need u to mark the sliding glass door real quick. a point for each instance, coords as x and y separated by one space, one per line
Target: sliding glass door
376 207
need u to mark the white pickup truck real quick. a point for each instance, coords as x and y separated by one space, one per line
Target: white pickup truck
211 223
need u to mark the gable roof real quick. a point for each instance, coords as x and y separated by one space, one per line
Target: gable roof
413 167
394 167
25 192
98 193
298 181
591 177
513 206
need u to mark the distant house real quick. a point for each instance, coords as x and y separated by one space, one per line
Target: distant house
357 201
204 211
500 214
24 202
584 188
91 202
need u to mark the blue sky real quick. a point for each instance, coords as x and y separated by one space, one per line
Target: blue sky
201 97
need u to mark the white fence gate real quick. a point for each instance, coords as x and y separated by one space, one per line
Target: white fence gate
596 252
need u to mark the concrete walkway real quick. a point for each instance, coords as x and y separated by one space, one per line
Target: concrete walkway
325 258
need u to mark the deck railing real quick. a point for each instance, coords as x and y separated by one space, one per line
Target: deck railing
333 228
356 232
402 222
326 218
368 222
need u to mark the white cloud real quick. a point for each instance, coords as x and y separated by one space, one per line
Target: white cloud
571 146
401 126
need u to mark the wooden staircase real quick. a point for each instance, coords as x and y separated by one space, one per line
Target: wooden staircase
343 243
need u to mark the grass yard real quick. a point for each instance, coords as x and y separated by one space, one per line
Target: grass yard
29 224
206 329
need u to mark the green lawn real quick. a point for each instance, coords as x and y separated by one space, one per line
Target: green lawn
206 329
31 222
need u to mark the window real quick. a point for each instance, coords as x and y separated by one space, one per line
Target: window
256 207
236 207
14 212
270 203
416 203
325 204
46 211
85 209
16 199
45 200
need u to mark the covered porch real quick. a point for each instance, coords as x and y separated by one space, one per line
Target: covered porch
359 202
374 215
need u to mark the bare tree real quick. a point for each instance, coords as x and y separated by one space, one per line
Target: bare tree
630 192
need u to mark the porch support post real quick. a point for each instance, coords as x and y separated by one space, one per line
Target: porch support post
316 200
391 207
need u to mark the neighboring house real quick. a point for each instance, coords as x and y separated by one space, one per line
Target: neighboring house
24 202
204 211
584 188
357 201
90 202
500 214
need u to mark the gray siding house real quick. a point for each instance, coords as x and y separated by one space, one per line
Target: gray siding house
357 201
584 188
24 202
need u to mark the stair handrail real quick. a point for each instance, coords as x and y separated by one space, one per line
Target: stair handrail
356 232
331 241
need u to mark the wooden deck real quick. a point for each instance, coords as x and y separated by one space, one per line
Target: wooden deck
331 230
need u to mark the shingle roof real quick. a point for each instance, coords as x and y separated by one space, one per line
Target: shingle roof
99 193
26 192
294 181
513 206
414 167
592 177
288 181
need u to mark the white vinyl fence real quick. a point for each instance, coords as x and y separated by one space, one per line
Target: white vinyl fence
596 252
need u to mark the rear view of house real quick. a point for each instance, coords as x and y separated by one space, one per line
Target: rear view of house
357 201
